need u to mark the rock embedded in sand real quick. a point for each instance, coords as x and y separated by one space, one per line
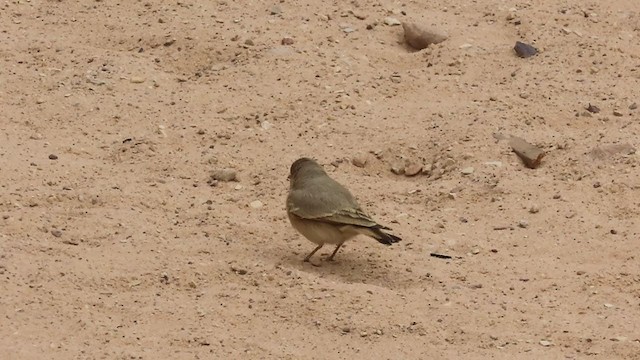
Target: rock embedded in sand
397 168
524 50
359 160
419 37
391 21
256 204
224 175
412 168
531 155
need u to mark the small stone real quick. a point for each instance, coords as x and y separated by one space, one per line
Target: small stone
534 209
545 343
467 171
169 42
524 50
224 175
364 334
580 272
56 232
239 271
475 251
391 21
359 160
613 231
412 169
53 157
40 101
137 79
617 113
633 106
256 204
619 338
523 224
346 329
287 41
358 15
397 168
609 306
249 42
276 10
36 136
494 163
347 29
265 125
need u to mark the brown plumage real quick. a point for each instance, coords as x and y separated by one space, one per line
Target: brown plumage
325 212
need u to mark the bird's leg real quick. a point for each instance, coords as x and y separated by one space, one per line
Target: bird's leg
306 259
330 258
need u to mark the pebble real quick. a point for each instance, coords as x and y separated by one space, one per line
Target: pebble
475 251
412 169
391 21
53 157
397 168
359 160
523 224
534 209
524 50
545 343
56 233
287 41
239 271
256 204
346 329
609 306
593 109
494 163
266 125
276 10
617 113
633 106
467 171
137 80
224 175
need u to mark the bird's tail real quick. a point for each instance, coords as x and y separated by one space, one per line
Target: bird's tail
382 237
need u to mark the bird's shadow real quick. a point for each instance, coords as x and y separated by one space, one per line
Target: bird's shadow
349 266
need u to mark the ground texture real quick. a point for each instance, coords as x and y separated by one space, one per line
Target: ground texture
116 244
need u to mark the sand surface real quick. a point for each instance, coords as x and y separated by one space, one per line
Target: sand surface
115 244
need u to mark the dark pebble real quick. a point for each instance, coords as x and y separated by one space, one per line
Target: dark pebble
524 50
593 109
53 157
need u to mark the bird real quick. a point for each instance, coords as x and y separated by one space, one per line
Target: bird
325 212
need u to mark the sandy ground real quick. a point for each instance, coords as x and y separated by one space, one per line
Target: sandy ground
114 244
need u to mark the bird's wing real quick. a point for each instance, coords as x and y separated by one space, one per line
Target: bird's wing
340 209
